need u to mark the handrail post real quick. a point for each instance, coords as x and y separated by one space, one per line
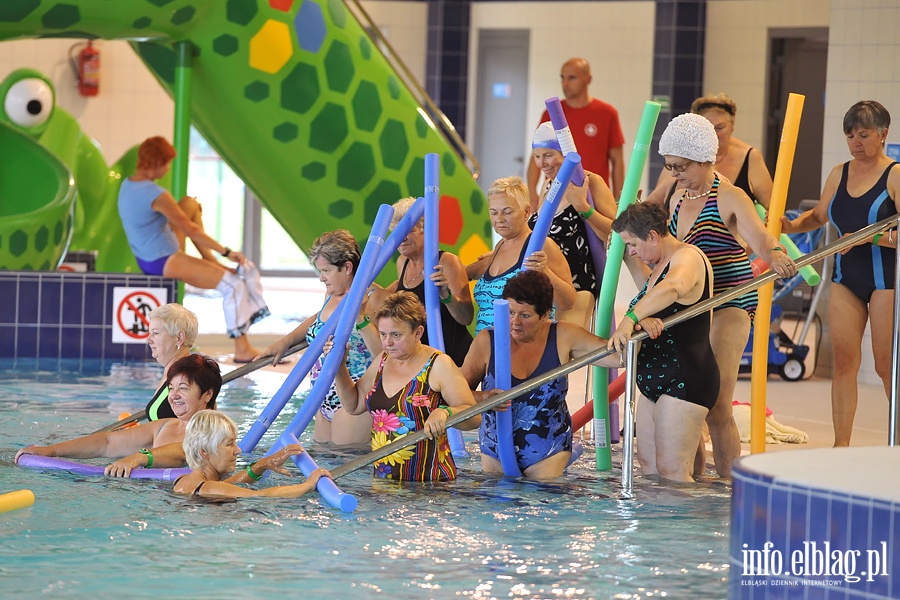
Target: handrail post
630 409
893 423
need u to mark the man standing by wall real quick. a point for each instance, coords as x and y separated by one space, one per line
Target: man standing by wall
595 128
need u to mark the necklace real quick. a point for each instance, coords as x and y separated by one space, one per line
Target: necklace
411 279
697 197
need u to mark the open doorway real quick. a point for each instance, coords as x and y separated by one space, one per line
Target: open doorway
798 59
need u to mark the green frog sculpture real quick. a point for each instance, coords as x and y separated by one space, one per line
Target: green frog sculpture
296 99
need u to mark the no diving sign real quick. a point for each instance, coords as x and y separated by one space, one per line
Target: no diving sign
131 307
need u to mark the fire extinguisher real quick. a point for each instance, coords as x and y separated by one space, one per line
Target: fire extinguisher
87 68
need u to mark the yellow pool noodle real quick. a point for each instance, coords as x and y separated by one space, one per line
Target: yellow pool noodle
16 500
759 371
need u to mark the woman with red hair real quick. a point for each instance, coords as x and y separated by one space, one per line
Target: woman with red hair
157 226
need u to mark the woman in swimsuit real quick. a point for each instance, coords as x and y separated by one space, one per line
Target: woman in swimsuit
194 382
736 160
173 330
712 214
156 226
412 387
210 445
542 426
457 310
336 256
859 192
508 208
573 216
676 369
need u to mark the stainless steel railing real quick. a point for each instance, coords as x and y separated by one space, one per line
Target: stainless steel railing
427 105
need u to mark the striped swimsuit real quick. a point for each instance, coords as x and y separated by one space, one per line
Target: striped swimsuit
728 258
403 413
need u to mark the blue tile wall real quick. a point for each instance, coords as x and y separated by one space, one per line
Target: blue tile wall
793 517
61 315
446 77
678 46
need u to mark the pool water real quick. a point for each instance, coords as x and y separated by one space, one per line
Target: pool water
478 537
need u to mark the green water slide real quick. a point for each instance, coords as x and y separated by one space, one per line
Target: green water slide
37 203
295 97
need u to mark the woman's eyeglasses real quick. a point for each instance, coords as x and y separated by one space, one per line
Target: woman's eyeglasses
678 168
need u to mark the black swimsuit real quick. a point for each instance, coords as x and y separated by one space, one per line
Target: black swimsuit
864 268
679 363
196 492
742 180
457 338
569 232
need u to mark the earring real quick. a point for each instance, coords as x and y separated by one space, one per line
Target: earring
178 346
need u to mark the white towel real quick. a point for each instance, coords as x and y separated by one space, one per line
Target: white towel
242 300
776 433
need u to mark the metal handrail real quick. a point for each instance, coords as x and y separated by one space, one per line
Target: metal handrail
413 85
591 357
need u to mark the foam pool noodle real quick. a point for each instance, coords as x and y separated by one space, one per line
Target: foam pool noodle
327 488
432 292
16 500
548 208
308 359
610 282
506 448
810 275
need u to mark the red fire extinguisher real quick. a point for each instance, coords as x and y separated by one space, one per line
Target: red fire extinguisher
87 69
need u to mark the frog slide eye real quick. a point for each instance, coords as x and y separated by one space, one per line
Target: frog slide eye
29 102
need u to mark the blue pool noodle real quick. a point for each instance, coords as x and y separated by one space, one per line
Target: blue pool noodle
548 208
596 245
432 292
325 486
346 321
308 359
506 449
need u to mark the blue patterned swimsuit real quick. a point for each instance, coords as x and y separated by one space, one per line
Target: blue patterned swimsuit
490 287
358 360
542 425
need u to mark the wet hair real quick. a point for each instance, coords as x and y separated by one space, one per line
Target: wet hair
640 218
711 101
513 187
201 370
530 287
403 307
177 318
154 152
337 247
401 207
205 432
867 114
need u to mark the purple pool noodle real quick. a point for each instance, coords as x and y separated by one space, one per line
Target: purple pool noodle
506 448
346 321
563 134
325 486
567 143
577 451
548 208
432 292
33 461
308 359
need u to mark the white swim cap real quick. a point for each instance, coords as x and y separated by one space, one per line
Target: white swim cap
690 136
545 137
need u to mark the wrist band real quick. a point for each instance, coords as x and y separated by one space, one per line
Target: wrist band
447 408
250 472
149 456
630 314
779 248
587 214
877 237
226 253
448 299
364 324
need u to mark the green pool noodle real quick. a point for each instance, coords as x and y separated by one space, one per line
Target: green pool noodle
610 281
810 275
